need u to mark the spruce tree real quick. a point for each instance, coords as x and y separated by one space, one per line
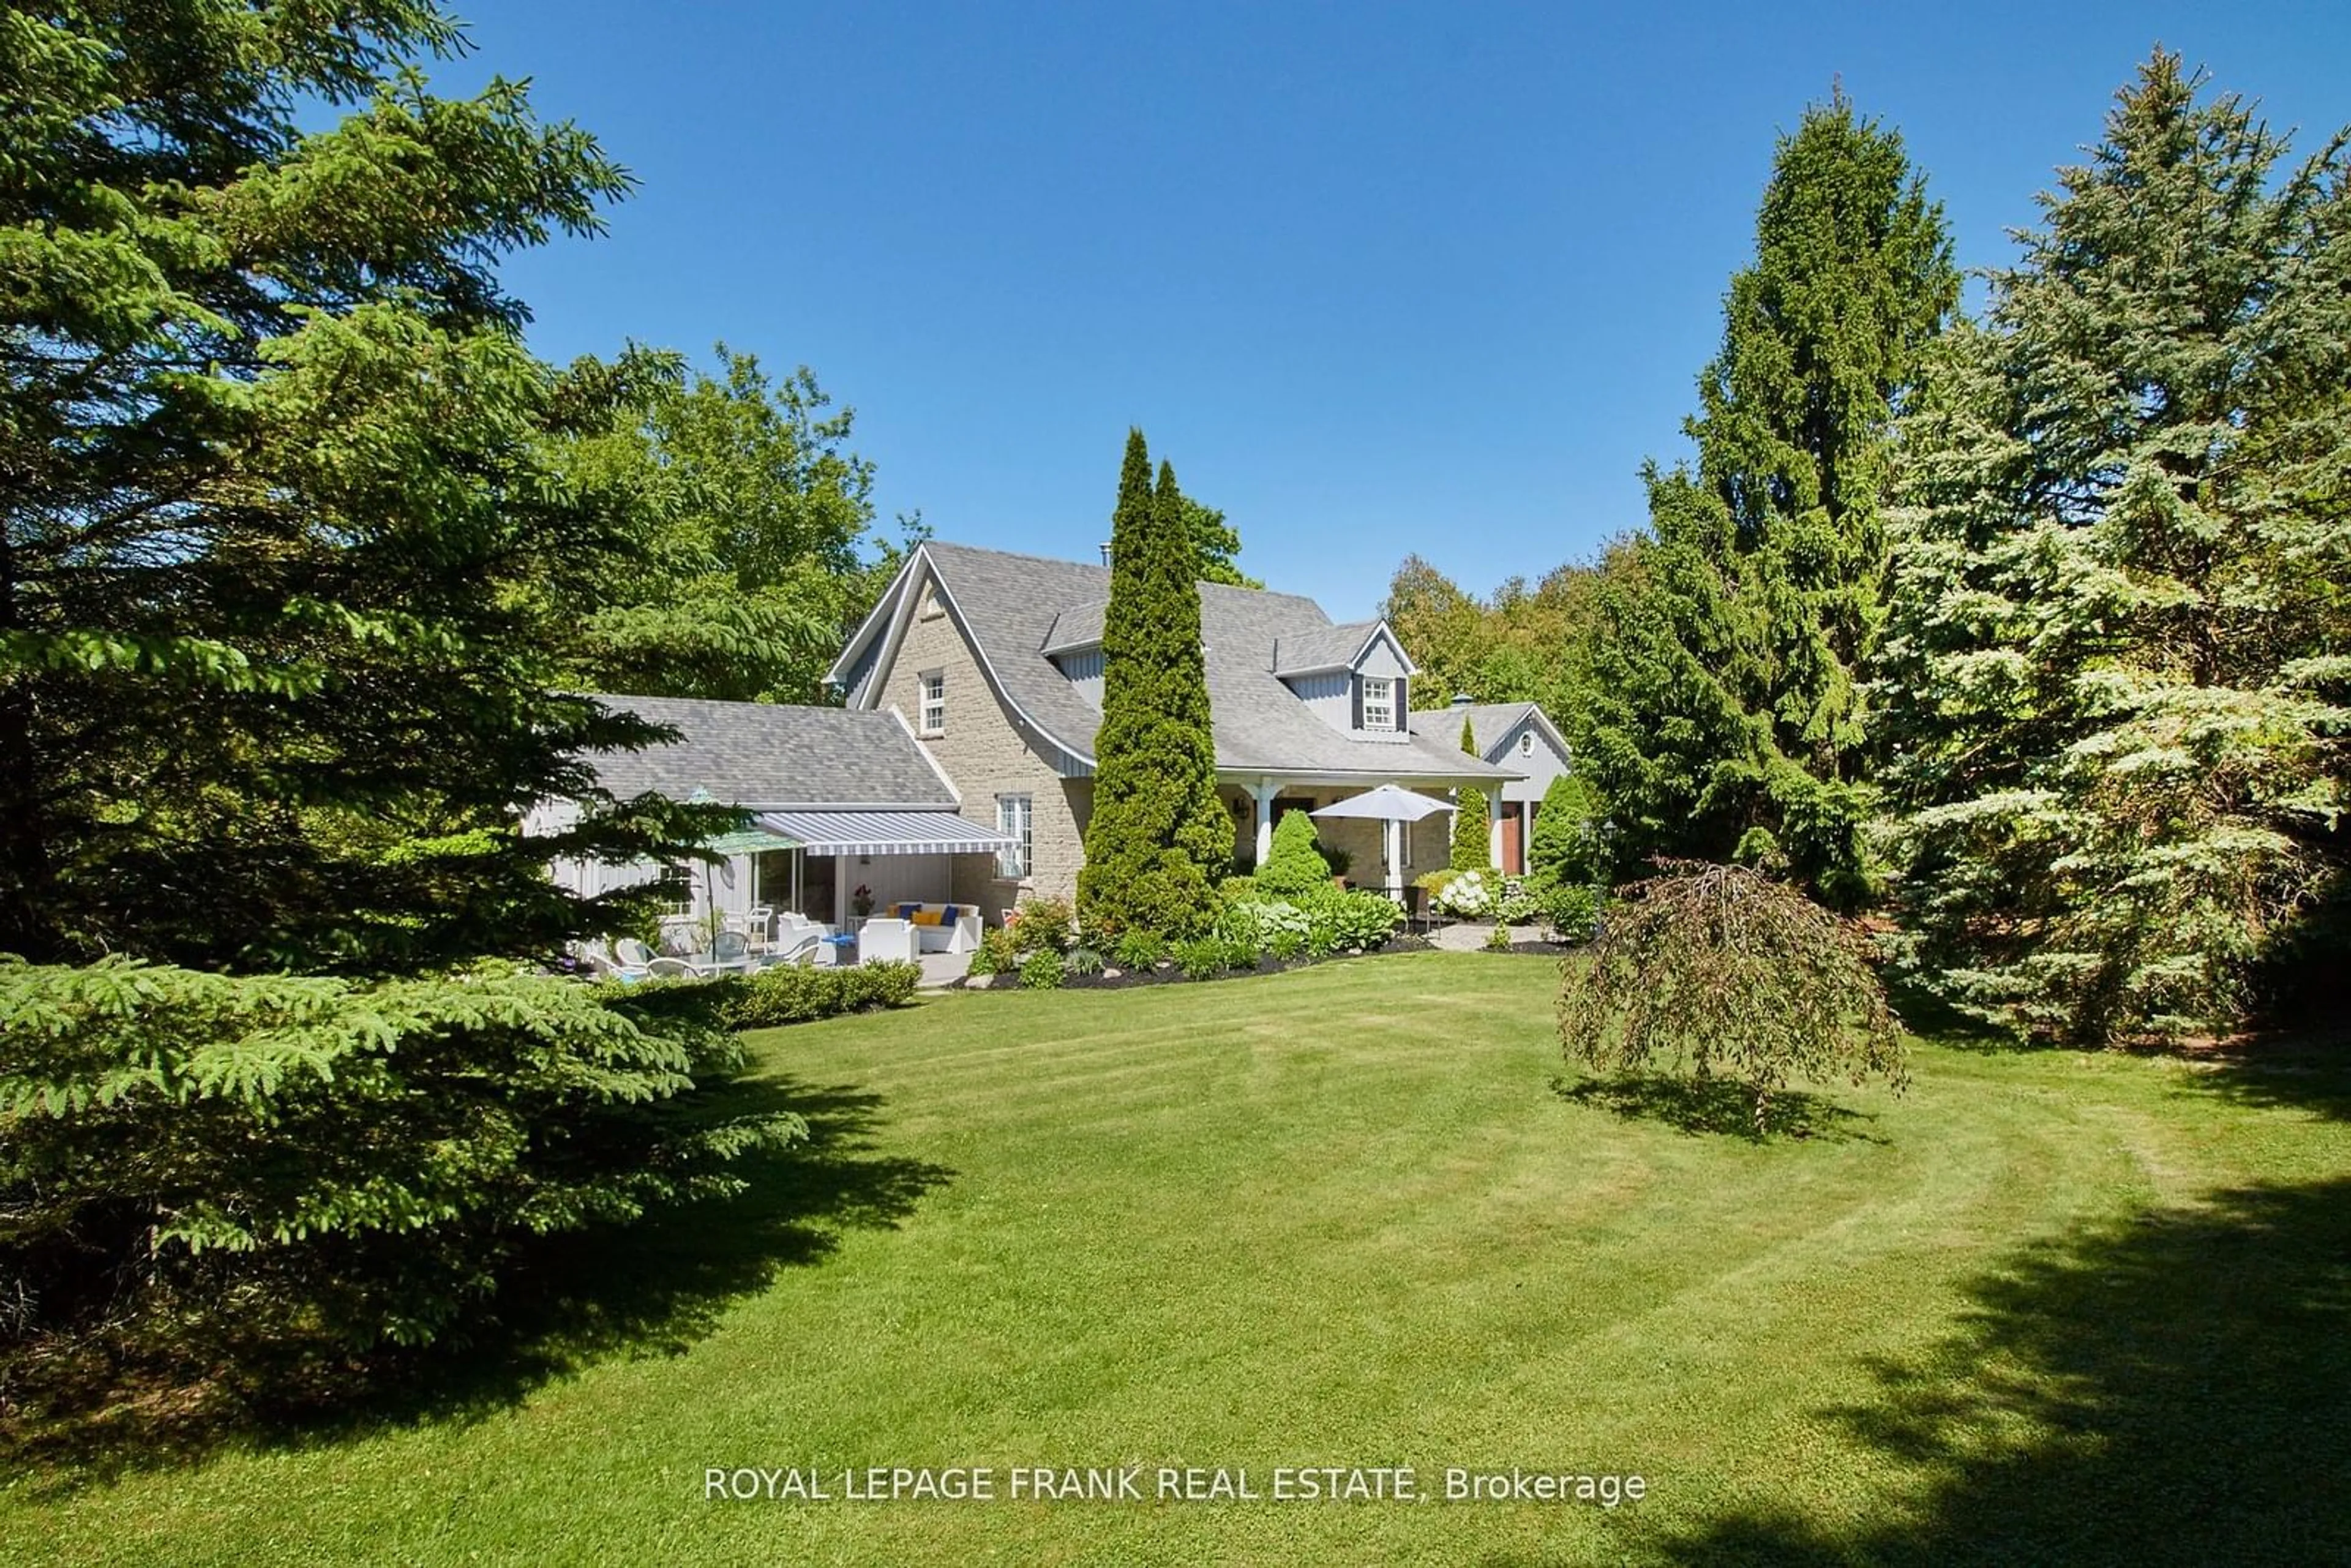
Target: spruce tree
1725 670
1159 840
1472 825
2120 634
281 519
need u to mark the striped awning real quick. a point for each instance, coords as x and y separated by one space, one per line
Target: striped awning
884 832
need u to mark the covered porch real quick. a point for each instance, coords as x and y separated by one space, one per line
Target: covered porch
1381 856
830 868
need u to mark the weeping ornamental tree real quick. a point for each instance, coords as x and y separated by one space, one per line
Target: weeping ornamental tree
2120 634
1722 712
1158 839
1720 972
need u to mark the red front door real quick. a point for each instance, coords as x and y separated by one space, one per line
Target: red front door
1513 862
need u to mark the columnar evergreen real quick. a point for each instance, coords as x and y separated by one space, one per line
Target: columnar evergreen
2121 636
1159 840
1472 824
1725 715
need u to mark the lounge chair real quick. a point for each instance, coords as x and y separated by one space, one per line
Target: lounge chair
629 959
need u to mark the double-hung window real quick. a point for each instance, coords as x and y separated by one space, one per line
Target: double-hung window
1013 820
934 702
1379 703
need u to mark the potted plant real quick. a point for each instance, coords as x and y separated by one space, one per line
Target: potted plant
1340 860
862 901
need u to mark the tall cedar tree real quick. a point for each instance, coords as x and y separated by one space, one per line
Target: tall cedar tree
2120 629
1159 840
275 460
1472 827
1724 712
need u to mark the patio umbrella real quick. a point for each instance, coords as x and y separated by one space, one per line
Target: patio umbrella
1388 805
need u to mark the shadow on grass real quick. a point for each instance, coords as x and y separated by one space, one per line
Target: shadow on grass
563 1303
2174 1388
1719 1107
1928 1015
2303 1068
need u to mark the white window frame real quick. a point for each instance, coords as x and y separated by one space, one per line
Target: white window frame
1527 743
933 709
1383 716
680 879
1015 817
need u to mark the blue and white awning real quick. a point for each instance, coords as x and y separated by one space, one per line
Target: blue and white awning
884 832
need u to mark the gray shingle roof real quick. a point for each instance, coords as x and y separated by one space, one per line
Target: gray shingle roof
1077 627
768 754
1490 723
1016 606
1320 648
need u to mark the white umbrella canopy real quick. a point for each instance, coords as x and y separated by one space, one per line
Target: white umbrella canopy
1388 803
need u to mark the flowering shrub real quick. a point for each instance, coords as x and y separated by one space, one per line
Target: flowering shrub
1467 896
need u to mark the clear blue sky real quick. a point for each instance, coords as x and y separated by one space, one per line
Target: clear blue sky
1376 279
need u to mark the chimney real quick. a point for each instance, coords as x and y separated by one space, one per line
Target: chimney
1105 550
1462 699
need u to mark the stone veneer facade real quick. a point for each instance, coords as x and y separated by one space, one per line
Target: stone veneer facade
983 754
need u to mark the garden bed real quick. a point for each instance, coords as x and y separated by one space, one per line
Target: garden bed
1166 971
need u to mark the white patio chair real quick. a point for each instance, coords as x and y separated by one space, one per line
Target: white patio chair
759 925
671 969
802 948
879 939
730 952
632 959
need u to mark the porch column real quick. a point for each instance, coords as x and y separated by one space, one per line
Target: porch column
1262 792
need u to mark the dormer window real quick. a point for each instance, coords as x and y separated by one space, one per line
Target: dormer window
1379 703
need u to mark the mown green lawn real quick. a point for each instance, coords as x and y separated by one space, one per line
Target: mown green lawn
2043 1308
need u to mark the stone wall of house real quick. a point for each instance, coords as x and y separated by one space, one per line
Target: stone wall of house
983 754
